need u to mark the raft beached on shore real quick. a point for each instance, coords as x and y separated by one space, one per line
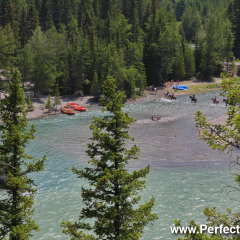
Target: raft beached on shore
76 107
67 110
180 87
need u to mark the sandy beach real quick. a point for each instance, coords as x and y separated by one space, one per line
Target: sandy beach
87 101
39 112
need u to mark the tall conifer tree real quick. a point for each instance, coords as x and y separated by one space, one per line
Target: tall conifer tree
23 27
32 20
46 16
15 207
112 198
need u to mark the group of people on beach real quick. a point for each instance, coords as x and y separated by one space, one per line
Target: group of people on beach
157 119
170 83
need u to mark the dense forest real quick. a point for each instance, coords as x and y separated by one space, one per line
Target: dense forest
76 44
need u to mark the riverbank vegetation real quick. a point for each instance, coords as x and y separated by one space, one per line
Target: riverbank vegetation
18 189
76 44
201 88
225 138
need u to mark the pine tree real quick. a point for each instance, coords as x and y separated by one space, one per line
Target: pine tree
112 197
48 104
189 60
8 46
179 68
7 12
16 208
23 28
46 16
43 50
29 103
57 97
94 83
32 20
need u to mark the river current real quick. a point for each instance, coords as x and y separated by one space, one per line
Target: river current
186 175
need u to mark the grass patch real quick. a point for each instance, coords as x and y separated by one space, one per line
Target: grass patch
214 85
206 87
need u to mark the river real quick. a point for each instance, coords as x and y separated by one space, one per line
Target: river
186 175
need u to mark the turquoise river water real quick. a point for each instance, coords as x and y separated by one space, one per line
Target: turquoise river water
186 175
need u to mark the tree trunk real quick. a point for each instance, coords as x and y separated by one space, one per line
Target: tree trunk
160 68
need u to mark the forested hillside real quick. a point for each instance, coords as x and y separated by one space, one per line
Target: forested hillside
75 44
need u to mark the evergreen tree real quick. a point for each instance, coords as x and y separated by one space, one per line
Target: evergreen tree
23 28
191 22
44 50
229 43
94 83
8 47
25 64
65 79
111 200
82 57
57 97
29 103
48 104
179 68
225 138
7 13
210 43
162 42
46 16
16 208
189 60
32 20
180 8
38 4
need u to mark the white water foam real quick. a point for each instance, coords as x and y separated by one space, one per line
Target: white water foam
168 100
162 119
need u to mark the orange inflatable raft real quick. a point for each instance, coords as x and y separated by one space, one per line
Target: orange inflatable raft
67 110
76 107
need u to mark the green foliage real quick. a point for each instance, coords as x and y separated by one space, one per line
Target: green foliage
211 40
234 16
66 41
29 103
111 201
57 98
179 67
48 103
191 22
189 60
26 64
16 208
238 71
42 59
161 44
8 47
94 84
46 16
213 85
32 20
224 137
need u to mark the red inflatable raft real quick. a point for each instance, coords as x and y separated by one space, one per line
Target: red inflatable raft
76 107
